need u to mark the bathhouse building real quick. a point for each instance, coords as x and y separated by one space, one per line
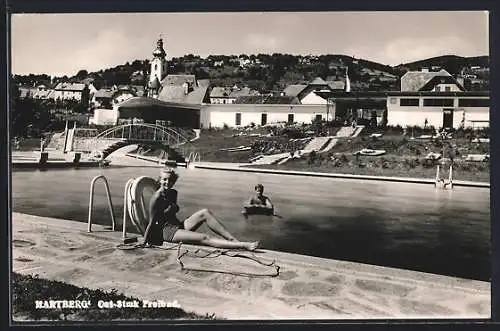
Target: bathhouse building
436 99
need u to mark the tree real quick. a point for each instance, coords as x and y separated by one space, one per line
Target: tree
384 120
82 74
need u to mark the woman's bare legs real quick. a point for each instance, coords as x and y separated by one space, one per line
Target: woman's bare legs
193 222
191 237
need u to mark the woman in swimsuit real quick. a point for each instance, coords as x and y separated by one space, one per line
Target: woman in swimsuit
165 226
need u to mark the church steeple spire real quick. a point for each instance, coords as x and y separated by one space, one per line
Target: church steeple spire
158 69
159 51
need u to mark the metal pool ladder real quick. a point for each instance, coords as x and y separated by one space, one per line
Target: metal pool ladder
91 202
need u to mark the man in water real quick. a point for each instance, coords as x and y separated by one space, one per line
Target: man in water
258 203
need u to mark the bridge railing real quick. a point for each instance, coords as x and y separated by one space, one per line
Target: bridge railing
137 133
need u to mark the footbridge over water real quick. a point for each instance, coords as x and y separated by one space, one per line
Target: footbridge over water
176 142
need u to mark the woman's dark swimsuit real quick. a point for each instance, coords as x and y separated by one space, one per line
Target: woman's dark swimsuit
165 223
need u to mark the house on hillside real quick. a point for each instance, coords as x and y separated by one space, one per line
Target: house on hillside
43 92
108 97
373 74
71 91
122 93
225 95
102 98
474 79
26 92
305 93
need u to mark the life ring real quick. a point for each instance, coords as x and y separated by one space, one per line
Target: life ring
137 208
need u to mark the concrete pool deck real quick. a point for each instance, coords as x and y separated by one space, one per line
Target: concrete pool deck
245 168
306 287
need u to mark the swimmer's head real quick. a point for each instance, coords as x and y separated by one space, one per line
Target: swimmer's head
259 188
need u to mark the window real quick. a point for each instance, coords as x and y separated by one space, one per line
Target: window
474 102
409 102
238 119
437 89
156 67
263 119
447 89
438 102
393 101
319 117
290 118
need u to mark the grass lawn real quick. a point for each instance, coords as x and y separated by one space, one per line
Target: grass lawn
27 289
404 157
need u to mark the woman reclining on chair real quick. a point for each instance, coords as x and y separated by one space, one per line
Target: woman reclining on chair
165 226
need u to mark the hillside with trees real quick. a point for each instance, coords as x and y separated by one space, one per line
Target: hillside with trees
266 72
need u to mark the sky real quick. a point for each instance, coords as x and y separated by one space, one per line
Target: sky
63 44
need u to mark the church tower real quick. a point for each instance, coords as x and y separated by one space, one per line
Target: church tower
158 69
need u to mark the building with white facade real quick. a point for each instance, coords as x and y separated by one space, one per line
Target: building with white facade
436 99
71 91
104 117
43 92
240 115
439 109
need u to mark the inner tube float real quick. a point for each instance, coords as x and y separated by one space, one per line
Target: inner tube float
256 210
137 207
258 216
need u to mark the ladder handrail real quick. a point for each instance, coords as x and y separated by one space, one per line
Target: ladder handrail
193 156
91 202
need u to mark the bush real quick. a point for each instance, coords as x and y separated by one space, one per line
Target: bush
312 157
27 289
429 163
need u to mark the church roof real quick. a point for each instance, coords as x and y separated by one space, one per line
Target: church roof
177 94
178 80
